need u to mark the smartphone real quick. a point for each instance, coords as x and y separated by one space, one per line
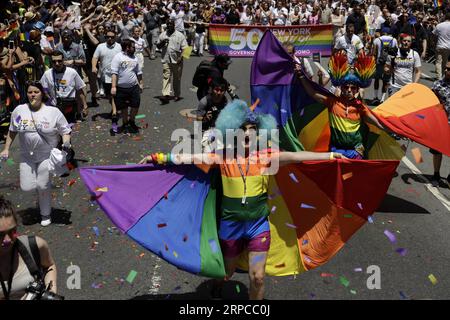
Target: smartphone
11 44
316 57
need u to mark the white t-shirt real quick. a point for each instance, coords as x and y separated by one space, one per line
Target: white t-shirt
442 32
378 22
139 44
127 69
67 83
105 55
351 47
179 20
51 124
404 68
280 16
45 43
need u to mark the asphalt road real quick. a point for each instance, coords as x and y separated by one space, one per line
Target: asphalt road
420 222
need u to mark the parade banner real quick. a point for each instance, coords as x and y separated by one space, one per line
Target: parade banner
242 41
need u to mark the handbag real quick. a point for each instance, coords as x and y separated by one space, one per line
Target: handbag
57 159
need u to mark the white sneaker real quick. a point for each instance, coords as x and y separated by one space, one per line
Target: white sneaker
46 222
102 92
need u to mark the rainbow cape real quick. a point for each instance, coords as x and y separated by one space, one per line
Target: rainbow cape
316 206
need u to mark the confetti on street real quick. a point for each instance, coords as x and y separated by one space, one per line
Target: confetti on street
344 281
131 276
390 236
432 279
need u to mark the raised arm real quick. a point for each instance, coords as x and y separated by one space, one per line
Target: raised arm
308 87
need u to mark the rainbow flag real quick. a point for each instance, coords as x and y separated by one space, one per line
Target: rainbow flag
438 3
242 41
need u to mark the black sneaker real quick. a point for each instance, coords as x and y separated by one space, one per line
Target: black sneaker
132 127
124 129
435 180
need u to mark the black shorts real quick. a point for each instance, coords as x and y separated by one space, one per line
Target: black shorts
128 97
432 151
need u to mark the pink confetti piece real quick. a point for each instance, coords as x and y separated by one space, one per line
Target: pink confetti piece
390 236
293 177
325 275
360 206
274 208
192 185
291 225
357 269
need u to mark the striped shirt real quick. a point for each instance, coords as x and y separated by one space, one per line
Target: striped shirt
345 122
257 184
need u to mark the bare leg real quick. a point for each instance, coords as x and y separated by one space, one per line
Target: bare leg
256 273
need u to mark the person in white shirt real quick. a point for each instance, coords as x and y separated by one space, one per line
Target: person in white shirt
127 85
40 128
104 54
178 16
140 45
405 67
172 43
349 42
64 86
279 15
442 32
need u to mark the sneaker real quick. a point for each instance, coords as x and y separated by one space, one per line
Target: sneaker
376 102
132 127
102 92
124 128
46 222
435 180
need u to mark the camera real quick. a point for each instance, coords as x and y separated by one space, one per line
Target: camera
36 290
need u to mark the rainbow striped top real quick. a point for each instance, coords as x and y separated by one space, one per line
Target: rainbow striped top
345 122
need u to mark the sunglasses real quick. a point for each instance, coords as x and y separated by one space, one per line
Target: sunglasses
12 233
353 88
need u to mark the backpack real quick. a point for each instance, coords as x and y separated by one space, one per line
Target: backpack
386 50
201 74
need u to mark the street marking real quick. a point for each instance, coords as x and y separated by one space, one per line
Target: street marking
435 191
156 278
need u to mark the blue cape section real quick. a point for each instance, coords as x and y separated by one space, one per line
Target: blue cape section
172 228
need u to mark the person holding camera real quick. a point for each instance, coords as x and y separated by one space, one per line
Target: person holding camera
63 84
25 262
40 128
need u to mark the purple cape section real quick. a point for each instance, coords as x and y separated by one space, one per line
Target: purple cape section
271 64
132 189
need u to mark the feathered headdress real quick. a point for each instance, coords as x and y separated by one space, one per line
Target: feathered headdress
237 113
360 74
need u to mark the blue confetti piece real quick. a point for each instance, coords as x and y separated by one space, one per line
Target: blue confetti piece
213 245
370 219
293 177
420 116
283 111
18 118
304 242
402 295
97 233
306 206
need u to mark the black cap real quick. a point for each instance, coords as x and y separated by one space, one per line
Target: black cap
223 58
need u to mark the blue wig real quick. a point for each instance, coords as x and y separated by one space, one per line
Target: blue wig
237 113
